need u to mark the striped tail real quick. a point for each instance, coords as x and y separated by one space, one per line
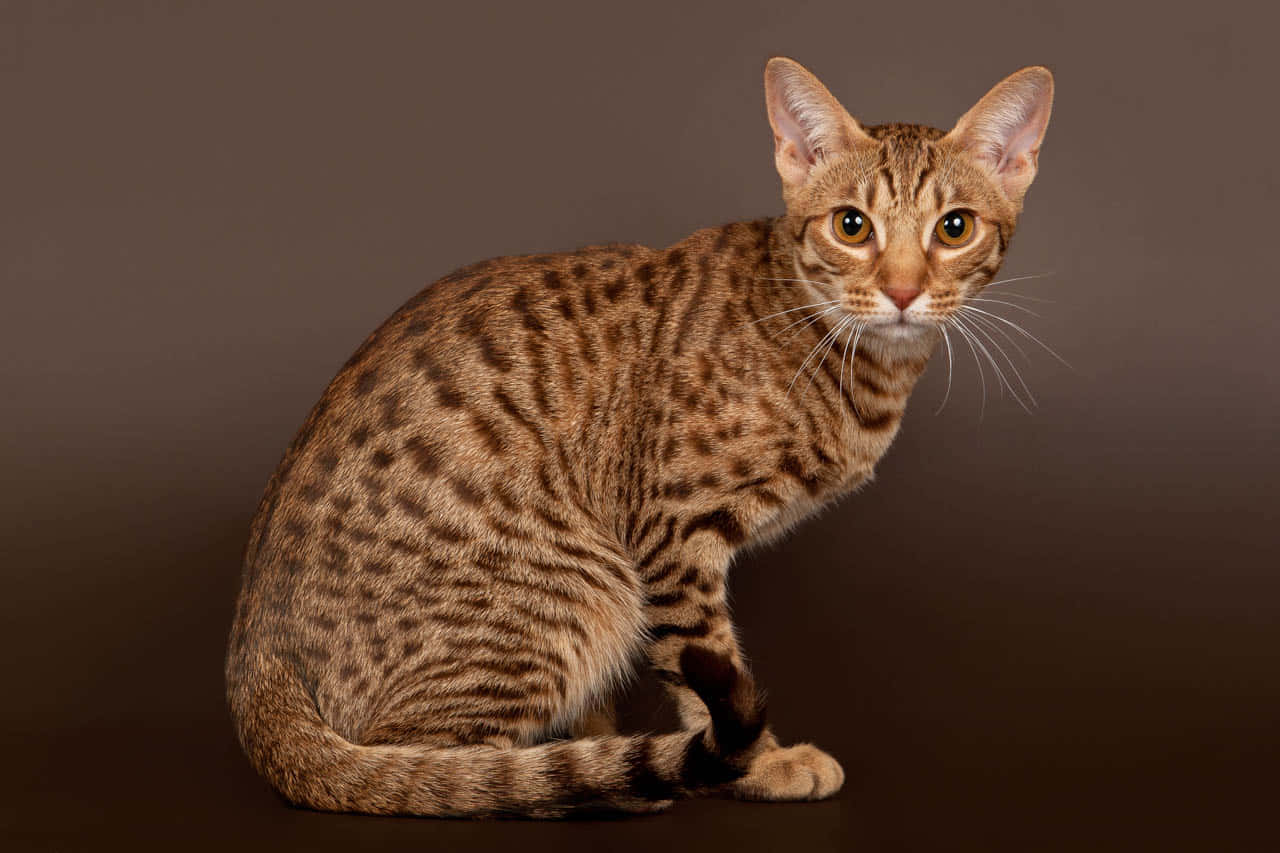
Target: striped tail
311 765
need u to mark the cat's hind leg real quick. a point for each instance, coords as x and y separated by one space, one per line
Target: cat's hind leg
596 720
527 640
511 645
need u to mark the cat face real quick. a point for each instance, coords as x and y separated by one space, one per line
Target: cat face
899 224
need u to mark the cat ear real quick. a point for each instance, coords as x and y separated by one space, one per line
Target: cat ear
1004 130
808 122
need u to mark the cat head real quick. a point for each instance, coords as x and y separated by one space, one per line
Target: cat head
901 223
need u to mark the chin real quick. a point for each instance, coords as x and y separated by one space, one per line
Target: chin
895 339
897 331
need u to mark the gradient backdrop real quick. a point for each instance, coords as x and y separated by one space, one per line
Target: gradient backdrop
1056 631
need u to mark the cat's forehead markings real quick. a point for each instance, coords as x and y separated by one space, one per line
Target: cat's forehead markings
906 161
928 163
940 197
861 191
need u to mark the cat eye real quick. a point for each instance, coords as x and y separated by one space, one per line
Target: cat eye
954 228
851 225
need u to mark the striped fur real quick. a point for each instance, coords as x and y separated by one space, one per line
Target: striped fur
540 468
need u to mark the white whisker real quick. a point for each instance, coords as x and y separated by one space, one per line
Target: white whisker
1002 302
1008 337
1001 382
950 358
968 339
1017 278
1020 330
795 281
1009 294
853 359
807 320
835 338
1012 366
843 357
791 310
832 333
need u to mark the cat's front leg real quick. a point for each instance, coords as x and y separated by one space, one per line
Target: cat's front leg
788 773
686 605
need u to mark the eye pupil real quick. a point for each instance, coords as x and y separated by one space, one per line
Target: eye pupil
954 226
851 223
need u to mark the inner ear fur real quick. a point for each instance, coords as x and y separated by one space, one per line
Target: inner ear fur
808 123
1005 129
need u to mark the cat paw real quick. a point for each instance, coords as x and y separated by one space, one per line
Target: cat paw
800 772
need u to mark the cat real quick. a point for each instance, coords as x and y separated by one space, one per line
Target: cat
541 467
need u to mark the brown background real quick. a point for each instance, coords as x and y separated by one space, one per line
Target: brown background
1056 631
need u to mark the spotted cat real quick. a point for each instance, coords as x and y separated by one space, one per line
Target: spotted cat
540 468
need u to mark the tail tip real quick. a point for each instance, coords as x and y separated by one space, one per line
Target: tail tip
737 713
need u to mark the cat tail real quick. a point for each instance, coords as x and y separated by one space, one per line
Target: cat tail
313 766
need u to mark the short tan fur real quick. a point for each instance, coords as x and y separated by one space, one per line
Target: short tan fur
540 468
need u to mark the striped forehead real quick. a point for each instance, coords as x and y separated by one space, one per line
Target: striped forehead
906 163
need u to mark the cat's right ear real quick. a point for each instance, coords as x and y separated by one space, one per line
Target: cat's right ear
808 122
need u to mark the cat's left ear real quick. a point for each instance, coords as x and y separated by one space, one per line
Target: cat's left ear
1004 130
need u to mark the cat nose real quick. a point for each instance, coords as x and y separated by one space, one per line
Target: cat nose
902 296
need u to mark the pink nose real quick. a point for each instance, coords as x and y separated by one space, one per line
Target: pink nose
902 296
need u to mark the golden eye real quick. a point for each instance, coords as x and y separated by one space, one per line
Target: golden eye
955 228
851 225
